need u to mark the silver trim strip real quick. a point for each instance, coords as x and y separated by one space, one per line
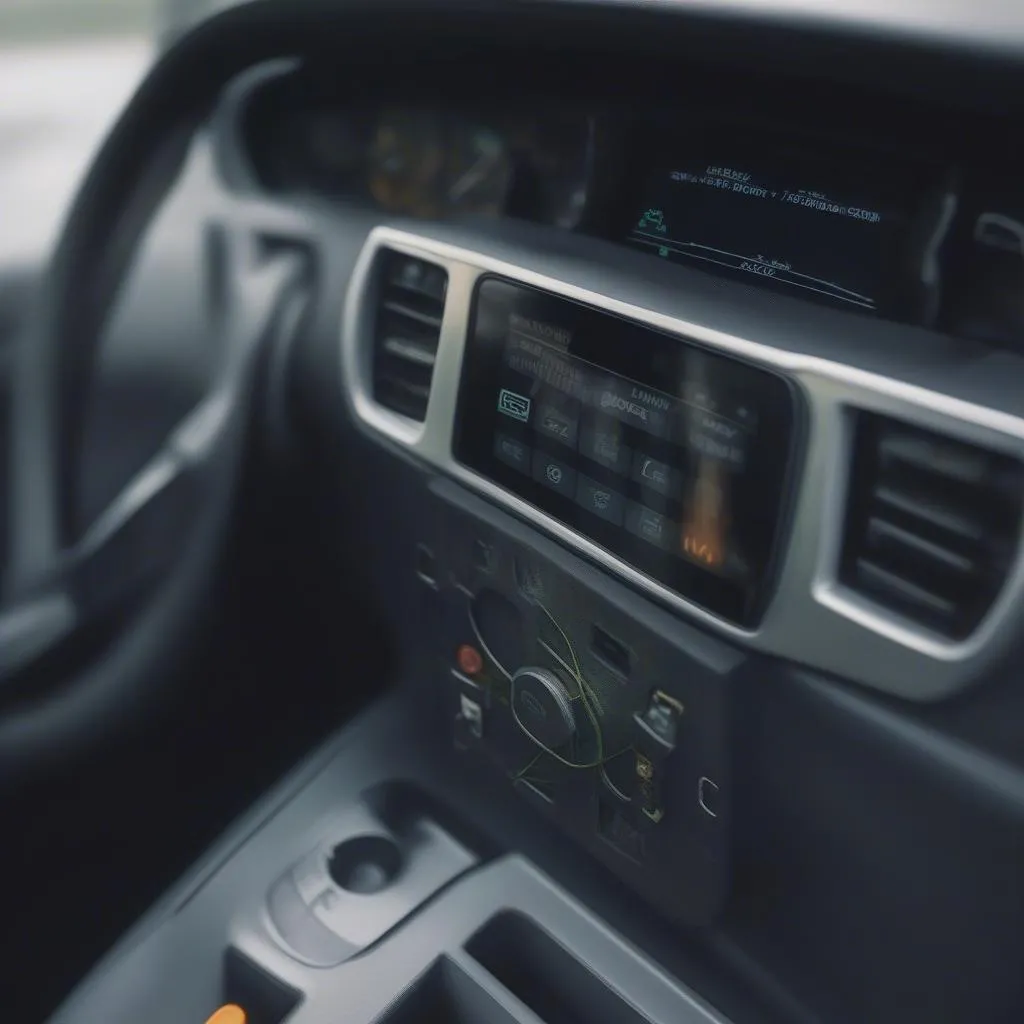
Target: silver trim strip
812 620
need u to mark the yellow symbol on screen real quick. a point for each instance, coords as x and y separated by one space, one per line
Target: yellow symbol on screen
703 533
701 551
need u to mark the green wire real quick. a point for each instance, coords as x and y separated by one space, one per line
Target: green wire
586 695
522 772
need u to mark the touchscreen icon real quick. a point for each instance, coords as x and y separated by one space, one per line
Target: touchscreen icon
652 528
554 473
601 499
607 446
655 472
514 405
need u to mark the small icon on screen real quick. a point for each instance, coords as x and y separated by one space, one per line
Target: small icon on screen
512 450
554 473
654 472
514 405
607 446
601 499
652 220
651 527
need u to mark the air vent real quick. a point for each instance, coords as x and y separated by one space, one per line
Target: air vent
932 524
406 333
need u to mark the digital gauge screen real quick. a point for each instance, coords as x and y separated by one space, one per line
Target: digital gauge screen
826 231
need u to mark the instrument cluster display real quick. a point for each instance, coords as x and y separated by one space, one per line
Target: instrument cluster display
433 162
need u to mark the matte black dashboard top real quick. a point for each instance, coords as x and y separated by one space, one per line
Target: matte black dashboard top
994 27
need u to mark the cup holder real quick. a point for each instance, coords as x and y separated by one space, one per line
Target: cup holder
365 864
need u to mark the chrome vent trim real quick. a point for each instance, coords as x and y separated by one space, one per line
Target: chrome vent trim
406 332
931 524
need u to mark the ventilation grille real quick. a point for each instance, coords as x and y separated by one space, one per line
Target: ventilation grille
932 524
406 333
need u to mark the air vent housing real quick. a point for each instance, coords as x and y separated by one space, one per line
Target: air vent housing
932 524
407 328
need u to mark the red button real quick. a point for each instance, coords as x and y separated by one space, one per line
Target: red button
470 660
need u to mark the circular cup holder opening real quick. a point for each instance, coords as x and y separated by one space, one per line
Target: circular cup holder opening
365 864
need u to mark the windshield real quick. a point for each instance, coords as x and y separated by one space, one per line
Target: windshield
67 67
35 21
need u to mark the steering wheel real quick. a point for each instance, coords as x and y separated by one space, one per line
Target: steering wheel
96 616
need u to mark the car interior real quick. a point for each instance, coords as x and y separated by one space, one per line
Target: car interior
513 515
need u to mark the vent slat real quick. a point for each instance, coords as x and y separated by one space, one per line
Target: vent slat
883 534
406 334
403 310
946 461
413 392
403 348
932 524
880 580
950 521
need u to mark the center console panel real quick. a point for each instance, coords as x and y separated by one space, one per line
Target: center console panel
488 939
607 714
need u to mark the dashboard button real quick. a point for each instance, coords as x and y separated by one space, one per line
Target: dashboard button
554 473
512 452
649 525
601 440
601 500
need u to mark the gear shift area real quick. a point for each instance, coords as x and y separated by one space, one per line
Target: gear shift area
364 878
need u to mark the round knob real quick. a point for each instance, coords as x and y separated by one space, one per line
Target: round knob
542 707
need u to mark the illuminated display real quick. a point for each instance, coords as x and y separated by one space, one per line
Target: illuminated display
828 230
669 456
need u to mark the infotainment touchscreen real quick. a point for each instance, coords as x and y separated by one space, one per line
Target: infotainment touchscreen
671 457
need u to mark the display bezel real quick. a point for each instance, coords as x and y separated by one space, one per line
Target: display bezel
635 352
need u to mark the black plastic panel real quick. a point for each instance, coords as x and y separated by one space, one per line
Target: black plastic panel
648 797
546 976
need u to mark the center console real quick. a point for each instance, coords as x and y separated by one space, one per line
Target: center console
814 485
354 893
610 717
637 485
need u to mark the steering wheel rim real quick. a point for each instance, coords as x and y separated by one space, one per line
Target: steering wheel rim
40 605
34 609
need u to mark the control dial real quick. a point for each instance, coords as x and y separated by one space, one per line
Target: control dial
543 707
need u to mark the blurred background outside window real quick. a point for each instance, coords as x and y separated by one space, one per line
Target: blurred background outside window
67 67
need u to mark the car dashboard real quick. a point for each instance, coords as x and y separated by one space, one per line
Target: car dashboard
659 378
839 196
756 334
